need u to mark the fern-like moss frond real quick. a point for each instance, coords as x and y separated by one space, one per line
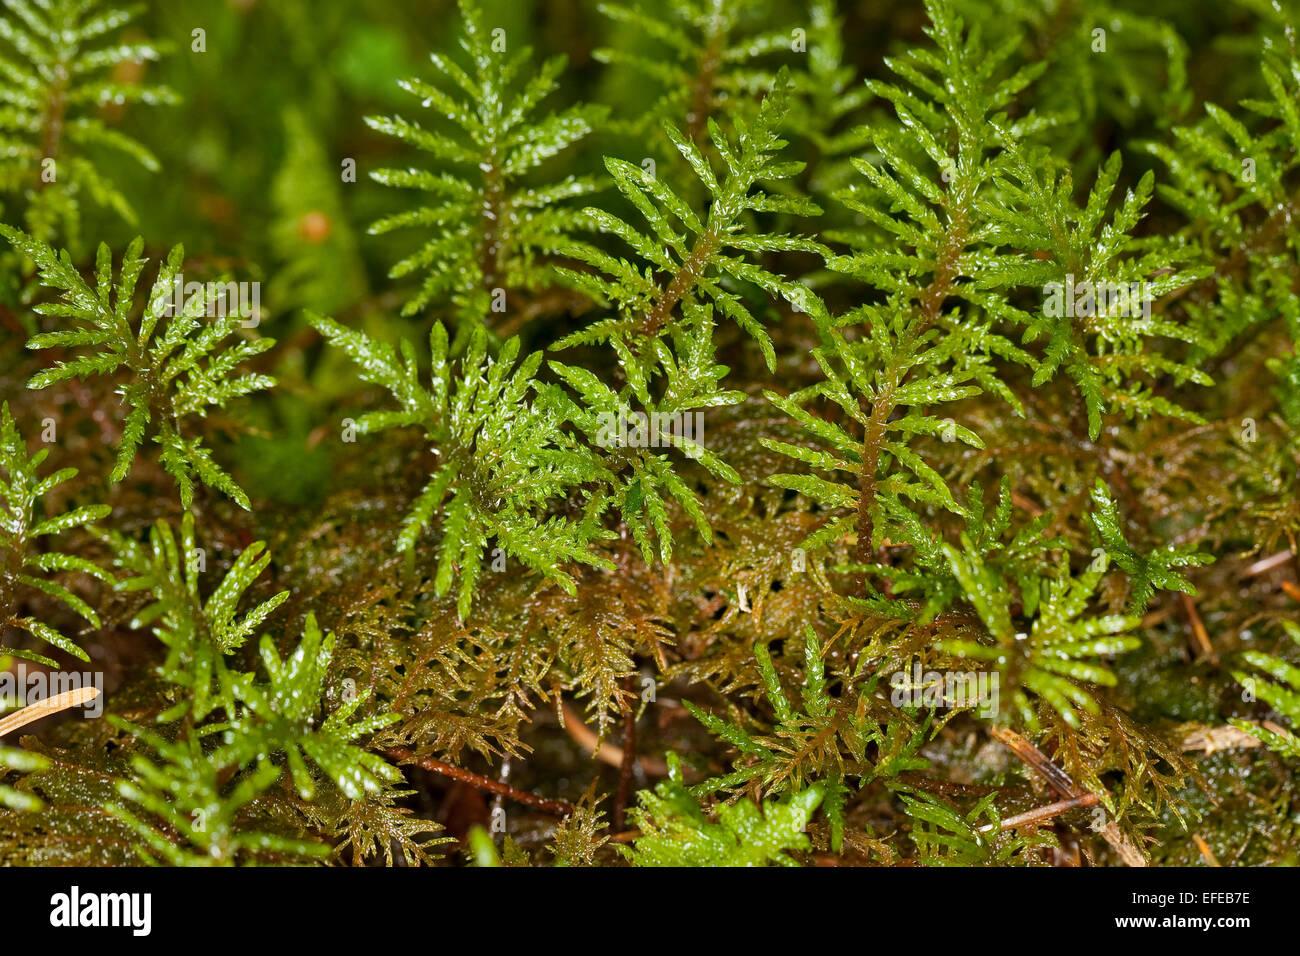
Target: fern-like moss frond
177 365
504 461
27 566
57 60
495 226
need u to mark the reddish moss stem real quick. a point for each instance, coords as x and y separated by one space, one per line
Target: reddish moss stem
560 808
931 303
628 762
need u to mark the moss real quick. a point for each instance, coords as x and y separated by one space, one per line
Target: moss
732 387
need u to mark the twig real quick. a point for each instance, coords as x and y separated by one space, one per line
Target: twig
1212 739
1039 814
44 708
1057 778
1264 565
559 808
1129 852
1198 629
603 750
1206 853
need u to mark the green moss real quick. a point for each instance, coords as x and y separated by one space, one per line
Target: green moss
891 411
